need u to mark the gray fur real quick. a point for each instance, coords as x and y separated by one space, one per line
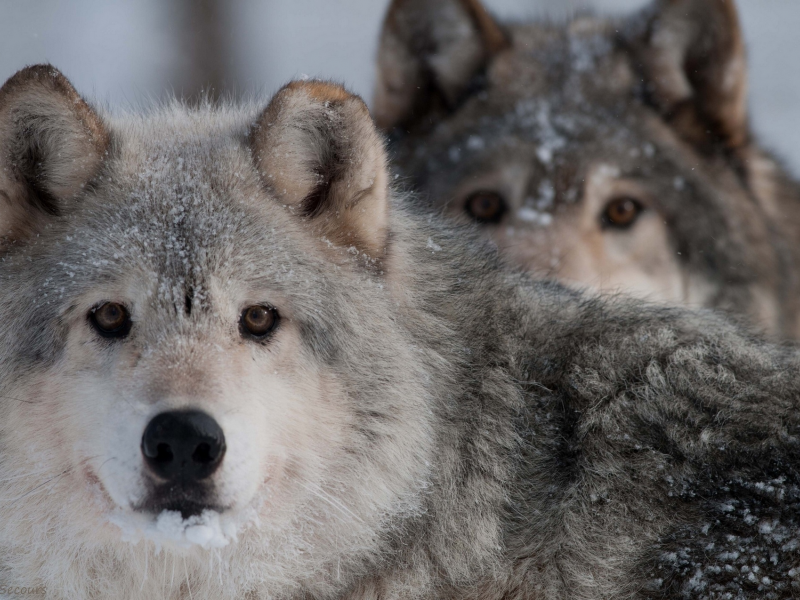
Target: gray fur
496 438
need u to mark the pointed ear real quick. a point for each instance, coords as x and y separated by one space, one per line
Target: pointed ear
51 144
318 151
694 59
429 54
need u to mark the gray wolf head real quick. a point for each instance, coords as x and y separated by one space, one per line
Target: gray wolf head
608 154
197 369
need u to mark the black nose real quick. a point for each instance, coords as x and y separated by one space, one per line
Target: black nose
183 446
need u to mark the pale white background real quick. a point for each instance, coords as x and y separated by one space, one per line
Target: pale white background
129 52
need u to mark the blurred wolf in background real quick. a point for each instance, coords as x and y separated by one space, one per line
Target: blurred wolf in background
608 154
234 367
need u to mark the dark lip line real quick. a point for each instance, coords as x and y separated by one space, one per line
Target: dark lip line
155 510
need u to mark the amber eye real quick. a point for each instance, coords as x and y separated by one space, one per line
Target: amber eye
621 212
486 207
111 320
257 321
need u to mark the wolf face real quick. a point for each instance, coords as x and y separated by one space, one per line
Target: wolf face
612 155
175 369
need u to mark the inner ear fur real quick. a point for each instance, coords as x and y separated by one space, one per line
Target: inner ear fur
51 144
429 54
693 53
318 151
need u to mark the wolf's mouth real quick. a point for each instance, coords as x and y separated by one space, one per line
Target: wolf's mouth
209 529
189 502
187 508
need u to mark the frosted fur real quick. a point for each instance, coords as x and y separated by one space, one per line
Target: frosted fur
429 424
207 530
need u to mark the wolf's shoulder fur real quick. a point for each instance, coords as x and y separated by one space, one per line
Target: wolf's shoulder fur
415 419
652 447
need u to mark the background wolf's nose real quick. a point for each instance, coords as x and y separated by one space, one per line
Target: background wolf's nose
183 445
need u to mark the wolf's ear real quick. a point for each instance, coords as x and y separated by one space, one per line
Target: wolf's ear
51 144
318 151
694 59
429 53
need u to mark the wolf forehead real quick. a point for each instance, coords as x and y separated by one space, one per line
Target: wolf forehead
182 168
178 194
557 93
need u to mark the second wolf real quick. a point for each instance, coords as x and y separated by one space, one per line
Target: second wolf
611 154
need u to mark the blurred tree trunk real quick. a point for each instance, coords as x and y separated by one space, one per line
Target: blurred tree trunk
203 39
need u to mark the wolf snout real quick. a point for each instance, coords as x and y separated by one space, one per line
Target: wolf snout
183 446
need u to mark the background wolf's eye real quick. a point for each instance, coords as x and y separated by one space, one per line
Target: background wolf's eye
621 212
257 321
486 207
111 320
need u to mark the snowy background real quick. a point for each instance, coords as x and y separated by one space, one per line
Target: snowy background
128 52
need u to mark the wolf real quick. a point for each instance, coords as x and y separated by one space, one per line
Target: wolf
235 363
613 154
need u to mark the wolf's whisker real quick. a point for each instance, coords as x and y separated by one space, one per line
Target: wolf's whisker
17 399
323 496
35 473
51 479
23 476
188 583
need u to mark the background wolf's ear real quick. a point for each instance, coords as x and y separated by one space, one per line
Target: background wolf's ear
51 144
694 59
318 151
429 54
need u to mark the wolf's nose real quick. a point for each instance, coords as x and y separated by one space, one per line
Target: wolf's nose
183 445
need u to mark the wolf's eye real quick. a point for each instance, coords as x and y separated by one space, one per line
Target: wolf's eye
111 320
621 212
258 321
486 207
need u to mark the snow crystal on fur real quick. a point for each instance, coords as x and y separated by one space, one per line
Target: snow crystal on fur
207 530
